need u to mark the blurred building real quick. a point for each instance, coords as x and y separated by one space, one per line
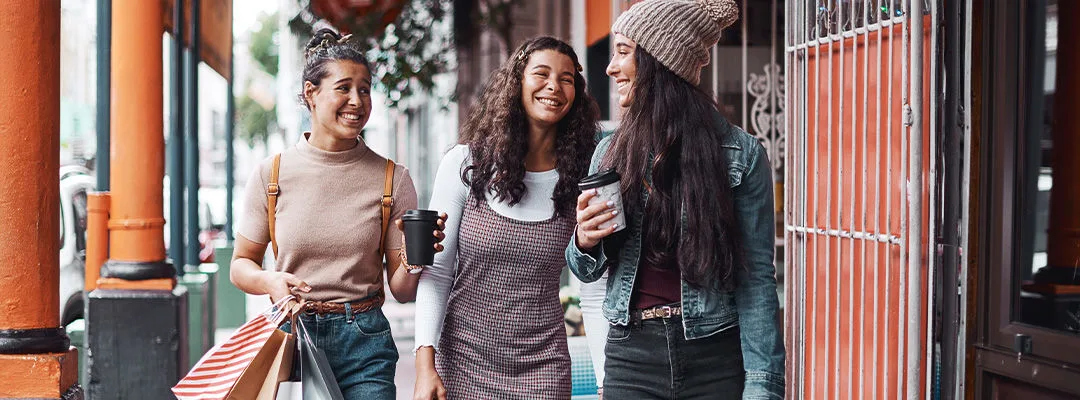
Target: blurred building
78 69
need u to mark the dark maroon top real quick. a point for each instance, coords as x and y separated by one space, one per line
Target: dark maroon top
656 287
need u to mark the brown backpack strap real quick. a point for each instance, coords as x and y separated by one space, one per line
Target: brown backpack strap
387 202
272 191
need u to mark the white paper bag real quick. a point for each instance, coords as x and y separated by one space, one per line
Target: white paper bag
290 391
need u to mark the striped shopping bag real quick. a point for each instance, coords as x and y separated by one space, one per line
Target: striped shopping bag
218 371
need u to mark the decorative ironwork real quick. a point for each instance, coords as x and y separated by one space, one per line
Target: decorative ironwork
767 113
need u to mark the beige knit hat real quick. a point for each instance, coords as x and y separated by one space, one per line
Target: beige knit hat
679 33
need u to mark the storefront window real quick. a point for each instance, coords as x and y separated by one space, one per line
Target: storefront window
1045 279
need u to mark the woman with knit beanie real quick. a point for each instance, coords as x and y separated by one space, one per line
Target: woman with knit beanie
692 288
490 304
322 206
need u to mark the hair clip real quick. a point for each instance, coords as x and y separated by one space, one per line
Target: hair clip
521 56
325 43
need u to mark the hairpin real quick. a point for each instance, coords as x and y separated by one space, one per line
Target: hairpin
321 46
325 44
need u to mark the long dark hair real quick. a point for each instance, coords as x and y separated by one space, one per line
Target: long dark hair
325 46
497 133
674 130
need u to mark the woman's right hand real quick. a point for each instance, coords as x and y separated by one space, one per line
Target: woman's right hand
589 218
429 385
280 284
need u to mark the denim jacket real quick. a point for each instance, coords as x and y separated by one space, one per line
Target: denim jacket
753 306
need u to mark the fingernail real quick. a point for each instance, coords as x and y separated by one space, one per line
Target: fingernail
611 203
616 212
596 191
615 226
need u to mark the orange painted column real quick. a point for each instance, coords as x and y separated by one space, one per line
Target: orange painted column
97 237
136 235
36 360
1063 241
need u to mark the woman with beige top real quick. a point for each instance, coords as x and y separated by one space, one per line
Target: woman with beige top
323 206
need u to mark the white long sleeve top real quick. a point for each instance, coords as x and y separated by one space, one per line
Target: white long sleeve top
449 195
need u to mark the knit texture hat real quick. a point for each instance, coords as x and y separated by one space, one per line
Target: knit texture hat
679 33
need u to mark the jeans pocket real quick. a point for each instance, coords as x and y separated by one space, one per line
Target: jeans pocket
372 323
618 334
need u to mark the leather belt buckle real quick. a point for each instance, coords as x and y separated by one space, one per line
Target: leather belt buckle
664 312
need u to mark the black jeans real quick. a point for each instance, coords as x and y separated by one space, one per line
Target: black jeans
653 360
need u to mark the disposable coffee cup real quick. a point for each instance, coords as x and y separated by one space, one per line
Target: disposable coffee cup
419 238
606 183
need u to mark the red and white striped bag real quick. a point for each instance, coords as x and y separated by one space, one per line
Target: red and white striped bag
214 376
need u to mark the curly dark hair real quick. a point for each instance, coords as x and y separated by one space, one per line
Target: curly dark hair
325 46
497 133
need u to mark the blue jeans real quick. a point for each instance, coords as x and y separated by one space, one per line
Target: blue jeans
360 350
652 359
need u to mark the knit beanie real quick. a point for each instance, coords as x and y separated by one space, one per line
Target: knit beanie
679 33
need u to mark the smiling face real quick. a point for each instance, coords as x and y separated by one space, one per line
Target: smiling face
623 68
547 87
341 104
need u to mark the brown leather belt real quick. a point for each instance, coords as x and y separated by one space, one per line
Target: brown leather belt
657 312
325 307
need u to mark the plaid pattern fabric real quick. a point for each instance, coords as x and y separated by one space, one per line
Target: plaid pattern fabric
503 336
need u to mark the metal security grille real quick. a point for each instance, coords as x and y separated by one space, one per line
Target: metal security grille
856 182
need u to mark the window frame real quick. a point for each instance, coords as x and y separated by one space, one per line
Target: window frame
1007 113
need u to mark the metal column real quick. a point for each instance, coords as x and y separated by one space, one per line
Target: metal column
191 143
104 62
915 192
230 154
176 140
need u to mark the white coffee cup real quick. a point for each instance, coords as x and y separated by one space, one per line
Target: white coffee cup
606 183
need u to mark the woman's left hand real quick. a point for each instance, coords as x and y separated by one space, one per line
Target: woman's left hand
439 236
438 232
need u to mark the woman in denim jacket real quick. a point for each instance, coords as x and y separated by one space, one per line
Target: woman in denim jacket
691 293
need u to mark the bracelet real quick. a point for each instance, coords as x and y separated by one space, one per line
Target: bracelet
412 269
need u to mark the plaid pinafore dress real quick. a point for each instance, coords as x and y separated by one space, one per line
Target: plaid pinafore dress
503 336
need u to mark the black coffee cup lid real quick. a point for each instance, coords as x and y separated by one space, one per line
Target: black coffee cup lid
416 215
601 178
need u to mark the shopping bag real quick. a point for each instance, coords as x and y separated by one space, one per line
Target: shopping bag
316 379
269 367
290 390
214 376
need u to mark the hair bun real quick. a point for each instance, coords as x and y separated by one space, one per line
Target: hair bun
322 35
723 12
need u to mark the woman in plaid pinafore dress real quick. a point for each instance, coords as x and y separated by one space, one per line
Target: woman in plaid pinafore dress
504 331
488 320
